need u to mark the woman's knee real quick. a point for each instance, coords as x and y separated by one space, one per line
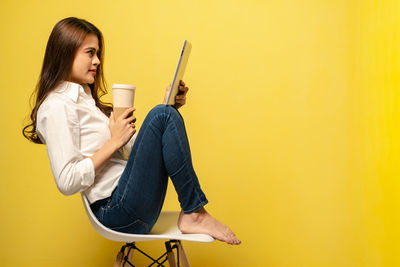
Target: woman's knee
169 111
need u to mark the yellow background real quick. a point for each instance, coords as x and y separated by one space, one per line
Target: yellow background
293 118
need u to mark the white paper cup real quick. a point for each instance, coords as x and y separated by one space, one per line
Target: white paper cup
123 97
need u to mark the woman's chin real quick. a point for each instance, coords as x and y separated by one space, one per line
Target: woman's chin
90 81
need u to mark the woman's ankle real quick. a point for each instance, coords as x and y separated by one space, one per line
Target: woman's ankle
198 214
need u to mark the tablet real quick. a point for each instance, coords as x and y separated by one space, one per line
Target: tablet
180 70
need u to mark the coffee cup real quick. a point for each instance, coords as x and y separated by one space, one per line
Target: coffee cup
123 97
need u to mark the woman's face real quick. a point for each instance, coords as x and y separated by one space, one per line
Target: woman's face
86 61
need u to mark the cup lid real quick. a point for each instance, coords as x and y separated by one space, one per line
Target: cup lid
123 86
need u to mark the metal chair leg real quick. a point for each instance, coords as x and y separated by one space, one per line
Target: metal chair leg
124 259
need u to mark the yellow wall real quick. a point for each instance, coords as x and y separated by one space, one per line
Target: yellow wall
292 115
376 118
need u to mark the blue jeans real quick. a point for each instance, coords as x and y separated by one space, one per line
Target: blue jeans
161 149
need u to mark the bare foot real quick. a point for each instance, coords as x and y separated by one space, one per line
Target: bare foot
201 222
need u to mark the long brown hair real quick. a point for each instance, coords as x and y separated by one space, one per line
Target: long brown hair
66 37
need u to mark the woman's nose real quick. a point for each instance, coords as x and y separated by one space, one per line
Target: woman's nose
96 60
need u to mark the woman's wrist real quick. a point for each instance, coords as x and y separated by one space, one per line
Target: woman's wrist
106 152
114 144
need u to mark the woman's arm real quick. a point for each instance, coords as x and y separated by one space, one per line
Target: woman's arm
58 127
121 130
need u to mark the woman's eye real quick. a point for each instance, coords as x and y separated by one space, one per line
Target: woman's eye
91 53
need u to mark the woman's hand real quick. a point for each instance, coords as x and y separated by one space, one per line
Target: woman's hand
180 98
121 130
123 127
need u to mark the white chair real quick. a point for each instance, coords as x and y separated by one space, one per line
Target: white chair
165 228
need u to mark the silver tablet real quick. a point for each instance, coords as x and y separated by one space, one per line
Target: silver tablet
180 70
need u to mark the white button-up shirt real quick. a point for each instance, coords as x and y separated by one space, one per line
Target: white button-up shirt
73 129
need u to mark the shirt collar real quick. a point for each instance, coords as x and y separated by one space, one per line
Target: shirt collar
70 89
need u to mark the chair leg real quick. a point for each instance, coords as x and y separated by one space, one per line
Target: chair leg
130 253
124 261
118 260
170 255
171 259
131 249
182 254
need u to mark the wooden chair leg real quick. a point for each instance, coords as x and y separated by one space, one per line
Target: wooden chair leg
182 254
118 260
171 259
130 255
170 254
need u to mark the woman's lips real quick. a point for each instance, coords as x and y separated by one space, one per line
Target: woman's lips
92 71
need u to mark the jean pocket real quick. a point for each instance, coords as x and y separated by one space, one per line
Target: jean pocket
112 203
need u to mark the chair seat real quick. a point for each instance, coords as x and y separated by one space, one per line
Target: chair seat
165 228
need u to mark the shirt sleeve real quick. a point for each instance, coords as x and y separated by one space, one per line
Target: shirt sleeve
58 127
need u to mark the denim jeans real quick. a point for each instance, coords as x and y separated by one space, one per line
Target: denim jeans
161 149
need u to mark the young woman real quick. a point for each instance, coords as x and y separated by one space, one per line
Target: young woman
85 143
